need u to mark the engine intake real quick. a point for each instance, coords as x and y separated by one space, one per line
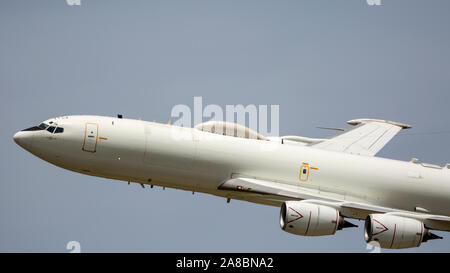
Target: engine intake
308 219
395 232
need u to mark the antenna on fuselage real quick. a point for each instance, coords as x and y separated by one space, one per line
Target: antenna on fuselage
330 128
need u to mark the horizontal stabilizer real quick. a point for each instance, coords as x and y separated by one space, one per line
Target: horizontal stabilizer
367 138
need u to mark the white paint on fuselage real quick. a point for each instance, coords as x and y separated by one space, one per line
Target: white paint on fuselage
148 150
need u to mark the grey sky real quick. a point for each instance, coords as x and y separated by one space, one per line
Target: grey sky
323 62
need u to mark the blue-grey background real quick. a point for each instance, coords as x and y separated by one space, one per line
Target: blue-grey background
323 62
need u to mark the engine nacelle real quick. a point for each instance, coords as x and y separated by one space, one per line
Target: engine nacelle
308 219
394 232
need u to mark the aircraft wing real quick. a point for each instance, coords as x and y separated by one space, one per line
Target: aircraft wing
275 191
367 138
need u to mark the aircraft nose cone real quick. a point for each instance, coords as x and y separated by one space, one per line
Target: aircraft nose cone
23 139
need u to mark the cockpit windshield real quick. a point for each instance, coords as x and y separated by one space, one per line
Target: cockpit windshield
54 129
43 126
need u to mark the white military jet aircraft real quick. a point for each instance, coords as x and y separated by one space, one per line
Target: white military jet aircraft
316 182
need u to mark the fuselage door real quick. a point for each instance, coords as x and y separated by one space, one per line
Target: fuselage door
90 137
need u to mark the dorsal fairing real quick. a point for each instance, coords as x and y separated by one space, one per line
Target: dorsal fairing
229 129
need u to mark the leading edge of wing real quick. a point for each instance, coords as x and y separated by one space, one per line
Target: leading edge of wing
272 190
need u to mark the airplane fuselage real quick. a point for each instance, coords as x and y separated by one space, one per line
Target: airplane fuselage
190 159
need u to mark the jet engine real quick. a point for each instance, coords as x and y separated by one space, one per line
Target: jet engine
394 232
308 219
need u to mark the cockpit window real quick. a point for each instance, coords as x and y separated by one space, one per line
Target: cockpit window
43 126
55 130
59 130
34 128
